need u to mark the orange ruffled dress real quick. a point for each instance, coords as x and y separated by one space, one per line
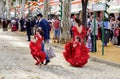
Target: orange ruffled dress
77 56
35 48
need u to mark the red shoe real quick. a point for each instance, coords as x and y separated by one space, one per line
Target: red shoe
37 63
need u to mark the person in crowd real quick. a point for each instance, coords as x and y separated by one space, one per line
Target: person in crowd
44 24
36 46
0 21
94 33
22 23
14 25
88 22
100 24
88 41
17 23
118 37
107 31
50 23
28 28
32 22
118 32
56 26
113 24
76 53
5 24
72 22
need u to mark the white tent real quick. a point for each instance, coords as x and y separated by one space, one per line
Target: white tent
114 9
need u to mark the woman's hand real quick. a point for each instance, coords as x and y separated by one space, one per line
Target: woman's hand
74 44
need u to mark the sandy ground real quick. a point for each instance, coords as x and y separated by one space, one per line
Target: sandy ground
16 62
111 52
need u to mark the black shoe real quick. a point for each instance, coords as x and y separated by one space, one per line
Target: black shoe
57 41
28 40
54 41
41 62
48 61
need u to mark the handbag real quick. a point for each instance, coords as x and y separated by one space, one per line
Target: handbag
50 52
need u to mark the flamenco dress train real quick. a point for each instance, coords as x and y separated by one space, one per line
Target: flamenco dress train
76 55
36 47
14 27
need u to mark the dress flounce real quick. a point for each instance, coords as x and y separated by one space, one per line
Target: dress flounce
36 50
76 55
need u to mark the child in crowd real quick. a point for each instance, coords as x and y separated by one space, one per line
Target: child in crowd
89 41
36 47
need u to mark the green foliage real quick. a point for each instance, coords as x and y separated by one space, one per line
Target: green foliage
13 0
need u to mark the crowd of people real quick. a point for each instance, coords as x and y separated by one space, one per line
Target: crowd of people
110 27
76 51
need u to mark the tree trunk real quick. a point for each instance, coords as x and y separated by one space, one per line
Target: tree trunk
2 7
84 12
46 9
65 35
8 9
22 8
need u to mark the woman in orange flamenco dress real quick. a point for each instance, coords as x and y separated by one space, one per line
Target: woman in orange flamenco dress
76 52
36 47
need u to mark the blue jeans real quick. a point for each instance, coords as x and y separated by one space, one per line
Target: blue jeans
43 49
57 33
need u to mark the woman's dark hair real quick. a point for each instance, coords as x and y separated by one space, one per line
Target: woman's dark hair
77 20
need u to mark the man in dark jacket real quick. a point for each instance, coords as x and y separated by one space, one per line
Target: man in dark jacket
28 28
44 24
22 22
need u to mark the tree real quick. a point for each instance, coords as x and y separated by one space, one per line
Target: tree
84 8
22 3
46 9
65 36
8 6
84 12
2 5
8 9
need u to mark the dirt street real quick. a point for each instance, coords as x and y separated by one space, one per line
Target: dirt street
16 62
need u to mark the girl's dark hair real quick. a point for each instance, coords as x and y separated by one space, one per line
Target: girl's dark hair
40 32
77 20
72 15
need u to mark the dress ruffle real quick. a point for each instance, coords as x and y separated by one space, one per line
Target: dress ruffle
14 27
36 50
76 55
